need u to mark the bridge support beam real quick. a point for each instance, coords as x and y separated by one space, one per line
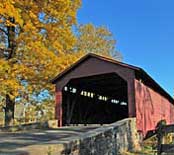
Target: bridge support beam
58 108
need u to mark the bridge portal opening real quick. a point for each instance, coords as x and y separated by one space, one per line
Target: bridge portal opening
98 99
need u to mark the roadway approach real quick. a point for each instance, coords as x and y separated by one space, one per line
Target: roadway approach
19 143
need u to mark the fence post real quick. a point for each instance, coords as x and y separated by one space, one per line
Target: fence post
160 135
159 138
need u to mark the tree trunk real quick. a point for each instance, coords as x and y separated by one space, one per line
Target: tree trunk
10 104
11 39
9 111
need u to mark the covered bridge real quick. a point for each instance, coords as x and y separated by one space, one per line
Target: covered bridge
100 90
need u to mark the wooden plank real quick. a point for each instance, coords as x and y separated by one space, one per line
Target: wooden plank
167 148
168 128
161 133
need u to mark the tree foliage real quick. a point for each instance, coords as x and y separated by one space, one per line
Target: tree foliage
35 41
40 43
99 40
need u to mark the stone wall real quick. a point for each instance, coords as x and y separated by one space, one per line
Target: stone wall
112 139
108 140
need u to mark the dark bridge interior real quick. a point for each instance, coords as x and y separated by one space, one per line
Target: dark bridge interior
99 99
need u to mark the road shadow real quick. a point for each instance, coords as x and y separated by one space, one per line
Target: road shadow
9 142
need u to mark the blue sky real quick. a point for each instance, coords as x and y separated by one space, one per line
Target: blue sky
144 31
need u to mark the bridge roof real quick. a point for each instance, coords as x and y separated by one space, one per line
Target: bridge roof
140 74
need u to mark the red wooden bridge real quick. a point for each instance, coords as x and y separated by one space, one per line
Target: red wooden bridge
100 90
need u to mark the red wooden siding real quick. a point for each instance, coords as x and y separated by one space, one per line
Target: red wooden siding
58 108
151 107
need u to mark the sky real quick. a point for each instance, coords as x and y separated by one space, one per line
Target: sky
144 31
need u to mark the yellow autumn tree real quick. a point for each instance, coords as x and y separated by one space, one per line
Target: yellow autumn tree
96 39
35 43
